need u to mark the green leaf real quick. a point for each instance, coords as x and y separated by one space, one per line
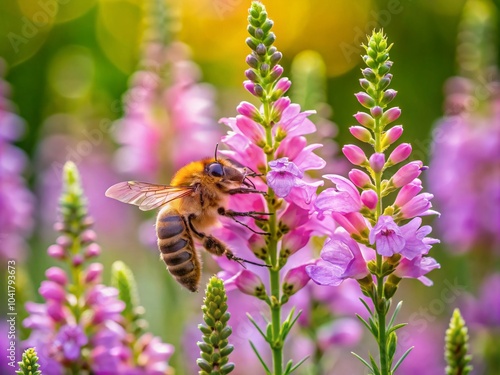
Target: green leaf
396 327
405 354
258 328
363 361
365 323
268 372
395 313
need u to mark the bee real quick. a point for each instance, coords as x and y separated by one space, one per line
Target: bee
192 204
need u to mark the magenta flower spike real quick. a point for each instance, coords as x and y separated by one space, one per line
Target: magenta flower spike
269 138
398 248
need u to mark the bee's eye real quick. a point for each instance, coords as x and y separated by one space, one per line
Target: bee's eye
215 170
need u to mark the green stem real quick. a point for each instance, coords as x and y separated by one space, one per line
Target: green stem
379 300
274 270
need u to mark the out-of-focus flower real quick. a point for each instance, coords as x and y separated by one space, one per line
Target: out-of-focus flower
80 315
16 201
168 122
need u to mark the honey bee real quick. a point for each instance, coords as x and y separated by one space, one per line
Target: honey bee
191 205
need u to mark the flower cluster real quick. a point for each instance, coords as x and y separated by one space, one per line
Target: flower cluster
169 116
80 325
16 201
270 141
376 240
466 140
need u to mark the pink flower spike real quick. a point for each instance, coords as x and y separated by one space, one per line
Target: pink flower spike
249 86
57 275
377 162
407 192
369 199
407 173
354 154
365 100
282 85
295 279
392 135
365 119
248 110
359 178
361 133
249 283
387 236
390 115
250 129
400 153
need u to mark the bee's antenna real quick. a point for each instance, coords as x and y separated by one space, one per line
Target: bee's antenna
216 147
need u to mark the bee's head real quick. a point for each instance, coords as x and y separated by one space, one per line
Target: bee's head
224 174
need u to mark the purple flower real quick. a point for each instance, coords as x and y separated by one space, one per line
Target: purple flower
283 177
341 258
16 201
71 339
416 268
469 196
387 236
343 198
295 279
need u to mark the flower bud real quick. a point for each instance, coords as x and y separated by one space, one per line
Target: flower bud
361 133
77 260
275 58
276 72
377 162
389 95
88 236
250 43
249 283
407 173
385 81
250 87
390 115
248 110
369 74
93 272
64 241
407 192
252 61
56 251
376 111
365 119
365 84
392 135
295 279
52 291
261 49
92 250
365 100
354 154
279 106
369 199
294 241
264 69
57 275
400 153
259 91
283 85
359 178
58 226
251 75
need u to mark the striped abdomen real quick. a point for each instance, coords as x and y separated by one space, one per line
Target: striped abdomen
177 249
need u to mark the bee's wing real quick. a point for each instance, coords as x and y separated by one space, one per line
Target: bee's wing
145 195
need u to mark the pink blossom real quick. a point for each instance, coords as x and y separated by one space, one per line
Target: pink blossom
416 268
343 198
70 339
341 258
387 236
295 279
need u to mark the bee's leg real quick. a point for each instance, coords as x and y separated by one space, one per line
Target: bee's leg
217 247
232 214
246 191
